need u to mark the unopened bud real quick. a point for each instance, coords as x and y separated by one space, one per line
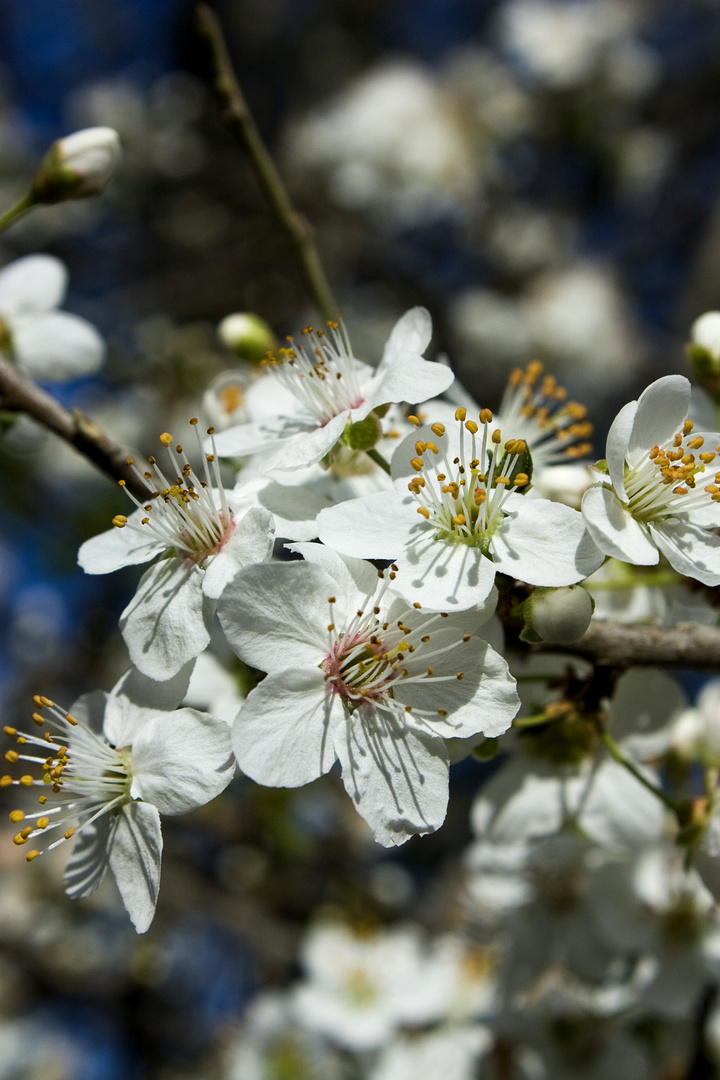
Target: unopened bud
558 616
248 336
77 166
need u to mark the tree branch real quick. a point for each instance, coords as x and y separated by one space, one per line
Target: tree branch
19 394
237 117
616 644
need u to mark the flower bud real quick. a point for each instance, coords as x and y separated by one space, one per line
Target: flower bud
558 616
248 336
79 165
704 352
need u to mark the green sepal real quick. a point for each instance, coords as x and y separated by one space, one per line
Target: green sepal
364 434
487 750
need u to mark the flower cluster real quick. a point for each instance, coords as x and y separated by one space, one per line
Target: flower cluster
372 632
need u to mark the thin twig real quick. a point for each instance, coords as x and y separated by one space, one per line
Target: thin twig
621 645
18 394
237 117
14 212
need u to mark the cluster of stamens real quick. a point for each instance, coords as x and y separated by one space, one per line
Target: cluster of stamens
182 513
367 660
554 428
322 372
666 481
464 497
82 777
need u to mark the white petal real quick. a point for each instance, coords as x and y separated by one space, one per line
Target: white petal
616 449
181 761
169 620
135 698
244 439
294 508
135 856
661 412
89 858
307 448
274 615
397 779
619 811
544 543
32 285
374 527
409 379
484 702
116 548
615 530
410 334
89 709
58 347
283 734
443 576
351 575
691 551
644 701
251 542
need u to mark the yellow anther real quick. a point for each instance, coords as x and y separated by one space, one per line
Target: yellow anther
502 480
32 855
459 519
16 816
486 416
442 712
460 675
521 479
414 420
71 720
331 626
471 427
432 447
460 414
511 446
497 436
10 730
121 483
5 781
26 781
687 427
166 438
11 756
438 429
420 447
43 822
707 458
417 464
119 521
38 719
479 495
46 702
42 799
19 839
423 510
417 606
68 833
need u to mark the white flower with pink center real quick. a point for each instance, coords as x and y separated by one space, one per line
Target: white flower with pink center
458 516
664 486
320 386
357 674
202 538
106 771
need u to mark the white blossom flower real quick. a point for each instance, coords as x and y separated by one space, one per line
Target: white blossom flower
78 165
49 345
321 387
705 332
202 544
109 769
362 986
357 674
658 500
473 521
453 1052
